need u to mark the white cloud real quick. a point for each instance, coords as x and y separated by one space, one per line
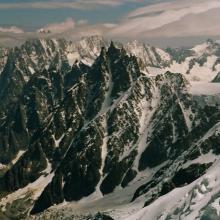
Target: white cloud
86 29
144 21
56 28
12 29
71 29
203 24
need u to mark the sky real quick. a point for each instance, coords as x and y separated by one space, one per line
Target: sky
159 22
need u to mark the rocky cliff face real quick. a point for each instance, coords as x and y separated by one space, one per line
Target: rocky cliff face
87 122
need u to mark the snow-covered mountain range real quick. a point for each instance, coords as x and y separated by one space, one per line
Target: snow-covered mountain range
103 130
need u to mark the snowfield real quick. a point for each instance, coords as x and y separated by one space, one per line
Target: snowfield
186 203
189 202
204 88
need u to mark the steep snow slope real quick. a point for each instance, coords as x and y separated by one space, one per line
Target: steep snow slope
198 200
194 201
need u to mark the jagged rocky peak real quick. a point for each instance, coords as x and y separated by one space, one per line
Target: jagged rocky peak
75 147
207 48
37 54
199 63
98 129
19 64
210 47
148 55
118 133
87 49
93 42
40 53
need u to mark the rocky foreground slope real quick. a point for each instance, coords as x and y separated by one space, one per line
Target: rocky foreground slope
89 127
